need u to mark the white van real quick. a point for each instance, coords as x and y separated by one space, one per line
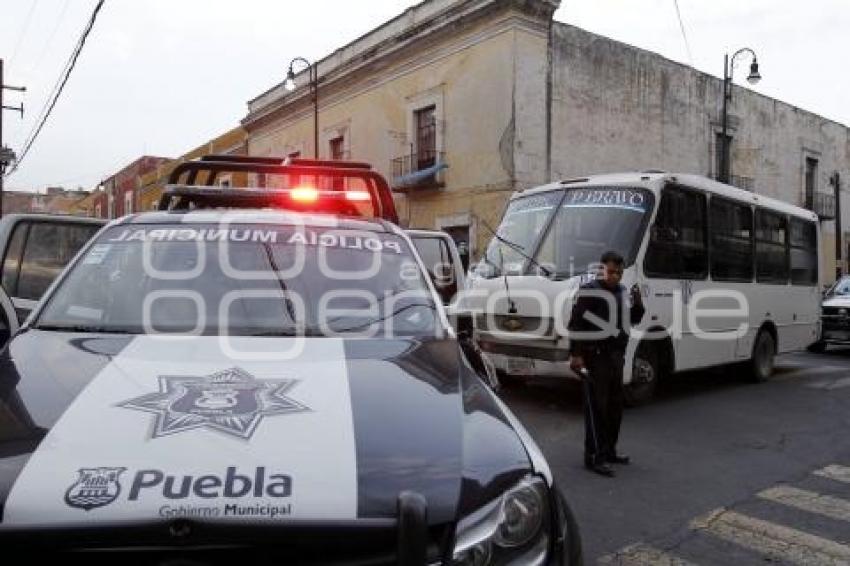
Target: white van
726 275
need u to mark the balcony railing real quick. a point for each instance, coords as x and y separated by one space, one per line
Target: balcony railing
822 204
419 170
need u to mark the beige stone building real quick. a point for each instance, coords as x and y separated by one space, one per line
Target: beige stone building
54 200
441 85
461 102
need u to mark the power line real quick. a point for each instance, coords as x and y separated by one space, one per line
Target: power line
684 35
57 92
50 38
23 31
49 97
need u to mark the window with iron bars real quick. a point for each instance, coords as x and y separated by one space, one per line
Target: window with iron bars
294 180
426 137
810 182
338 153
338 148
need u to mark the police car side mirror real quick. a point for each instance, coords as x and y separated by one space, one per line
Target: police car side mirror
443 278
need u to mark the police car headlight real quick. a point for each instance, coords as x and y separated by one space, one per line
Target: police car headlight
510 530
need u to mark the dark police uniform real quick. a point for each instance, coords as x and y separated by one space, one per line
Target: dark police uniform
603 357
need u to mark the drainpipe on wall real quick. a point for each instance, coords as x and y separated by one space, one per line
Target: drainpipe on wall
836 186
549 78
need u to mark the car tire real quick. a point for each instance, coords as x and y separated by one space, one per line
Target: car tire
818 347
646 371
762 360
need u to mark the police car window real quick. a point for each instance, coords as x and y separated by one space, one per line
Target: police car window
12 258
244 280
49 247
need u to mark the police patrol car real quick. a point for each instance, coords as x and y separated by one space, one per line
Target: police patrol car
270 385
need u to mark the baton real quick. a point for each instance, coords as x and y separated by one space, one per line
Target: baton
588 399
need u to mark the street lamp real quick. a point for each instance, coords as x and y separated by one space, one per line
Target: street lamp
289 85
753 78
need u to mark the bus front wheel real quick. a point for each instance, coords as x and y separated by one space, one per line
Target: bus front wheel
645 375
764 352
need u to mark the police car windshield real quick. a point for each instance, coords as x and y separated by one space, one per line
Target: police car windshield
244 280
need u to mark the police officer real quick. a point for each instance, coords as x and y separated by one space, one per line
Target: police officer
598 339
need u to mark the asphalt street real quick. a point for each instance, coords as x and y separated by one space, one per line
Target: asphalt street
723 471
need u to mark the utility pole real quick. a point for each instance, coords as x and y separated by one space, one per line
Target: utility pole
7 156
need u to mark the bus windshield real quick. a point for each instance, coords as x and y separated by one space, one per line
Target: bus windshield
577 225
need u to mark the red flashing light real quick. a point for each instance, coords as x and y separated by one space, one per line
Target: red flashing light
304 194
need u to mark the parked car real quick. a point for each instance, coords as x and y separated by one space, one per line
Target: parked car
835 316
35 248
442 260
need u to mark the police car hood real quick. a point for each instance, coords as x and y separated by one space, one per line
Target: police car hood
104 428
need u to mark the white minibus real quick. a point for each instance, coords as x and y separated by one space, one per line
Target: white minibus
727 276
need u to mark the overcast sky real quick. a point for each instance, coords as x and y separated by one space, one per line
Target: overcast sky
160 77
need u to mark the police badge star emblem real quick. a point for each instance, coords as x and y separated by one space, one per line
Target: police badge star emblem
95 487
231 401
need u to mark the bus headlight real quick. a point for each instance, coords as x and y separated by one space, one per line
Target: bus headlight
509 530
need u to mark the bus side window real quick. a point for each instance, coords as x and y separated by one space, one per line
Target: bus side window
804 252
678 242
731 240
771 248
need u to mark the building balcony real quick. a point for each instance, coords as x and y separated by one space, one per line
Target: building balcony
746 183
418 171
822 204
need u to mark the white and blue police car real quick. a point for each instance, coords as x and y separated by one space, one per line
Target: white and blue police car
204 386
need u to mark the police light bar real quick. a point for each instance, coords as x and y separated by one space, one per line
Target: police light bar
358 196
304 194
183 198
373 187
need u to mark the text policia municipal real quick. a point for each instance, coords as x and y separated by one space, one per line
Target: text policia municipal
338 239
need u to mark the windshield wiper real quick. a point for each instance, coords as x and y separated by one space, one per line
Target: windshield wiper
518 249
84 328
290 310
